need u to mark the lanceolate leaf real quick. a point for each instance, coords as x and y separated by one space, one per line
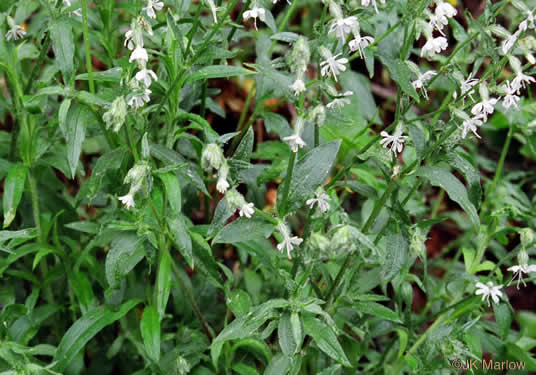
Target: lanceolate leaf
61 34
13 188
325 339
173 191
150 332
181 237
454 188
219 71
125 253
76 123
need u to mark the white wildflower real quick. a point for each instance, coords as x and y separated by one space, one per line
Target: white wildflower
254 13
489 290
509 42
521 80
321 199
116 115
213 10
139 100
340 102
247 210
443 12
288 241
298 87
212 157
152 7
396 141
366 3
471 125
146 76
467 86
434 46
519 270
484 108
222 185
129 40
510 99
359 43
135 177
420 82
15 31
128 200
343 26
332 65
295 142
140 55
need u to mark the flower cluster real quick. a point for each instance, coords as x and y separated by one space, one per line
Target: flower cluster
138 177
213 158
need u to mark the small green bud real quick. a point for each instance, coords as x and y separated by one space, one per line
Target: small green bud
527 237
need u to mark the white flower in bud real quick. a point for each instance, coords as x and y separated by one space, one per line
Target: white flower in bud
247 210
318 115
396 141
128 200
343 26
484 108
489 290
519 270
434 46
471 125
136 177
116 115
299 56
366 3
528 23
140 55
443 12
289 242
152 7
467 87
129 39
359 43
15 31
236 201
255 13
222 185
510 99
321 199
508 43
138 100
298 87
332 65
527 237
146 76
340 102
212 157
421 80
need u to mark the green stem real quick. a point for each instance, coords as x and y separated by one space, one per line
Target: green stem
131 143
38 64
87 47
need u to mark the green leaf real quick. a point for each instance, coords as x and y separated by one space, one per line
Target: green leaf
6 235
401 75
173 191
125 252
503 317
285 36
218 71
277 124
454 188
471 175
325 339
239 302
110 75
150 332
84 329
310 172
286 336
244 229
362 93
396 256
163 283
181 238
76 122
279 365
245 148
378 310
61 34
13 189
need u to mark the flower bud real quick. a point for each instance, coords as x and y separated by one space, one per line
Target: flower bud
515 64
522 258
318 115
527 237
417 241
299 56
116 115
212 157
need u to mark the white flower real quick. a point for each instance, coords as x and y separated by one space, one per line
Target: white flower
213 10
366 3
467 86
247 210
288 241
443 12
212 157
321 199
129 40
128 200
420 82
434 46
298 87
147 76
333 66
489 290
340 102
140 55
254 13
472 125
222 185
138 101
396 141
510 99
360 43
116 115
152 6
343 26
509 42
15 32
528 23
295 142
519 271
484 108
521 80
